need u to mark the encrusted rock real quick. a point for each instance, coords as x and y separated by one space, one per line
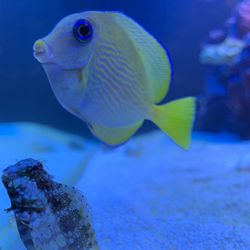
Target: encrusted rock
49 215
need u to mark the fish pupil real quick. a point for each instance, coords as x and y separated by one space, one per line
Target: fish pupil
84 30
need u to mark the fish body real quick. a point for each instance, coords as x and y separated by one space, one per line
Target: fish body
49 215
111 73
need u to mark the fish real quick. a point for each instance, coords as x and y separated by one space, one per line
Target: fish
49 215
111 73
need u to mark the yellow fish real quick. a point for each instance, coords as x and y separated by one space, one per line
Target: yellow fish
110 72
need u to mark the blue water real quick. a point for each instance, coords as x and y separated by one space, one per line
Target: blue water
25 92
148 194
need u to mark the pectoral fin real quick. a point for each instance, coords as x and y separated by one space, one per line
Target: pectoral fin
114 136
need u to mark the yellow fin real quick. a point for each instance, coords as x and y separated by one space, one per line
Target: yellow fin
114 136
176 120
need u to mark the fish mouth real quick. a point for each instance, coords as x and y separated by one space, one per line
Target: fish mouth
42 52
44 55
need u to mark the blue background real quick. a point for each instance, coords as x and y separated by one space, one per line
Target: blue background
180 25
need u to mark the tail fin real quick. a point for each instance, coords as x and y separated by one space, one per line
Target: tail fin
176 120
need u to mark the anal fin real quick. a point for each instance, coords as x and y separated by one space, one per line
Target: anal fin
114 136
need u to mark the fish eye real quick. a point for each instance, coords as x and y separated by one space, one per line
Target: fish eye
83 30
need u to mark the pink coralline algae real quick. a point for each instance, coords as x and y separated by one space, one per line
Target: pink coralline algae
243 17
217 36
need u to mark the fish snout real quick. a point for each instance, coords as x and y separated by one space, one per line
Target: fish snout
42 51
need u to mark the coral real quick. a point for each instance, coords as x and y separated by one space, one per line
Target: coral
225 52
226 103
217 36
242 13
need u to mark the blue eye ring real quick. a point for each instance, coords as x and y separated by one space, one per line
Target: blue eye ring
83 30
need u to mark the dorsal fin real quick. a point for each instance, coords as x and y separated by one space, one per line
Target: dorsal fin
155 58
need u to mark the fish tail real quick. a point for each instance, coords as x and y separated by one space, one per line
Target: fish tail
176 120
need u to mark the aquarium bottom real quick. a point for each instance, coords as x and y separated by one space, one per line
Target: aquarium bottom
148 193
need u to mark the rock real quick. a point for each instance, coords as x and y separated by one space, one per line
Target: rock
226 101
148 194
48 214
225 52
242 11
